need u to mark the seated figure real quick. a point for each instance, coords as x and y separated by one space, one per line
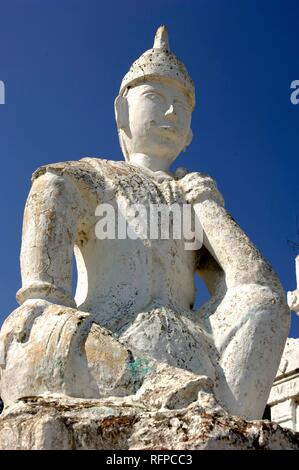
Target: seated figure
133 307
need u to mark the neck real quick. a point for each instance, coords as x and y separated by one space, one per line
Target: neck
149 162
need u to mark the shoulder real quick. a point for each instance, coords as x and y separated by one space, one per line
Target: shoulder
90 175
72 167
84 166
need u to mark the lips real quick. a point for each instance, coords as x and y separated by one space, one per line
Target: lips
168 128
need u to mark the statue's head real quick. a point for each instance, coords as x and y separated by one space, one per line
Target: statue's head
155 103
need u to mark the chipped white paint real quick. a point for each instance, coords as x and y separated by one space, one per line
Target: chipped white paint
133 309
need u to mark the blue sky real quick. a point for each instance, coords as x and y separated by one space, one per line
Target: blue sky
62 63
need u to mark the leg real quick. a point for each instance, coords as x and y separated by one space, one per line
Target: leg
250 327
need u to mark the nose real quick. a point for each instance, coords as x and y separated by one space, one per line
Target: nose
170 113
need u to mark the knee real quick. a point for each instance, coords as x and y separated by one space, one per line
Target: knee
260 293
248 302
255 300
252 310
266 296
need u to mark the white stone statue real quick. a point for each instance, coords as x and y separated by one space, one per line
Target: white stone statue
132 316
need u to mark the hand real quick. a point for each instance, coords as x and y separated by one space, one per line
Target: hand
17 326
199 187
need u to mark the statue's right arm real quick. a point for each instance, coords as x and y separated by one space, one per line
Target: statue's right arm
52 215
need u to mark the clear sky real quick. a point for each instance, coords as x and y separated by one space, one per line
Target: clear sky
62 62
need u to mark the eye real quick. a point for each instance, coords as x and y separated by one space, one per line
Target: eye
154 97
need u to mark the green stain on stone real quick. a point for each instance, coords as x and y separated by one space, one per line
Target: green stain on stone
140 367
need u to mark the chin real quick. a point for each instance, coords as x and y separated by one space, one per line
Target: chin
167 147
170 152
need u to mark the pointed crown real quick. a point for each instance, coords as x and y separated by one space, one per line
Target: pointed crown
159 62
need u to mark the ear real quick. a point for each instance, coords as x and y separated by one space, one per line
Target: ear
121 113
189 138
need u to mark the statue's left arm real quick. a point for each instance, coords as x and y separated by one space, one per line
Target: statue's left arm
247 314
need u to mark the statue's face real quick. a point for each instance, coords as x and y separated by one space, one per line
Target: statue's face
159 118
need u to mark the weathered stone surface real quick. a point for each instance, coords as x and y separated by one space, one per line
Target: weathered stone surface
172 388
115 424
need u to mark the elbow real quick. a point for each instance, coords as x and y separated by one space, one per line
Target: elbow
45 291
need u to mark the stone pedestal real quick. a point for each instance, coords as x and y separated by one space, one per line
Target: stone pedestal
118 424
